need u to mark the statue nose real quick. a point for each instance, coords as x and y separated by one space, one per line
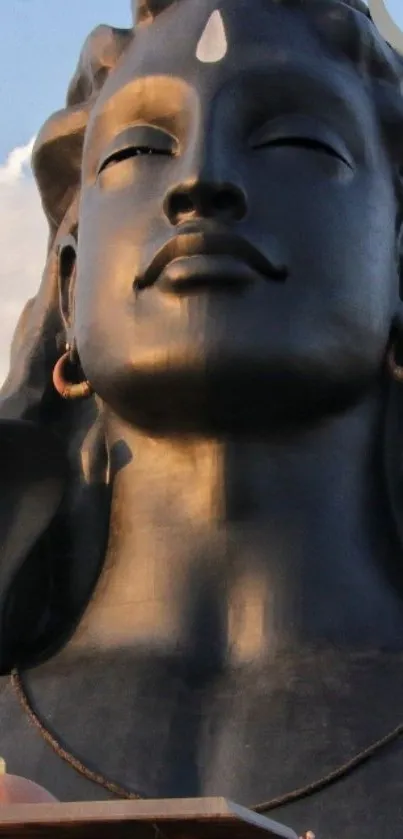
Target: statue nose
193 199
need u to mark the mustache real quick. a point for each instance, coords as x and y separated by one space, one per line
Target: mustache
199 240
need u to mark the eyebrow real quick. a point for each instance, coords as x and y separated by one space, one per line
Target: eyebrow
293 79
153 103
144 99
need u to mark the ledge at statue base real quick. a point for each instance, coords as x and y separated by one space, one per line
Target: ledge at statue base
193 818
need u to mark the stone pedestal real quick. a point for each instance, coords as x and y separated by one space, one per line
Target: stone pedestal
198 818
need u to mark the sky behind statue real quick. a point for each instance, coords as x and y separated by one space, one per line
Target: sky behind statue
39 51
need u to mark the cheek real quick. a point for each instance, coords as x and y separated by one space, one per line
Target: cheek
116 242
340 235
112 324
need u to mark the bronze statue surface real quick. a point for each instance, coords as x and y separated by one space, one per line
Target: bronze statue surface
201 574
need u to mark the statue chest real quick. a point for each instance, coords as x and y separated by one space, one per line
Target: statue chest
253 734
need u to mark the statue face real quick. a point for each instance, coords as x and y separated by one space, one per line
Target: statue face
237 244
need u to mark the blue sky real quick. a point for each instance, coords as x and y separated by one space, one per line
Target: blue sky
39 44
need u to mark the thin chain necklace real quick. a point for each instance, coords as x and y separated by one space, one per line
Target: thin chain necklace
124 792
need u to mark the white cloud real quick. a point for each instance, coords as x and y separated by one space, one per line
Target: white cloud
23 237
16 164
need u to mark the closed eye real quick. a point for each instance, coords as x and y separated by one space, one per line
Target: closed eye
305 143
300 131
132 151
139 141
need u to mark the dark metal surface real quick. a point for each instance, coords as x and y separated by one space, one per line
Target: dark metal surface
207 591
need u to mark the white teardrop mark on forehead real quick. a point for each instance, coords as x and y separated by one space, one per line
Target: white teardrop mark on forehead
213 44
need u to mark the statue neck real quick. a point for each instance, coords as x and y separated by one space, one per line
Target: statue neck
234 549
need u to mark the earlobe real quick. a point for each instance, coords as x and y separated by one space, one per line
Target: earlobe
79 387
67 259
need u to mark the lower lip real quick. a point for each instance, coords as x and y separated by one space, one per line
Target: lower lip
192 274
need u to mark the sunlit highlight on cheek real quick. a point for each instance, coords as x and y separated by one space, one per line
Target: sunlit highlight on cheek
118 177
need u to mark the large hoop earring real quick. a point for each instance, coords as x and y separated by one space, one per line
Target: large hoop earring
66 389
395 369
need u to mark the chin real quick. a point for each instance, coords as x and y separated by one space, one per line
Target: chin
229 393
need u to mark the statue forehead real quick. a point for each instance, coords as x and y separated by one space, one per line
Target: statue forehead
149 10
190 15
189 34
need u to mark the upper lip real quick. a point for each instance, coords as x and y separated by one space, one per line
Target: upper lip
198 240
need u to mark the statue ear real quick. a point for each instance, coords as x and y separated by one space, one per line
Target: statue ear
67 260
33 474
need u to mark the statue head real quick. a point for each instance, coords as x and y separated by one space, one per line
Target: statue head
192 278
224 198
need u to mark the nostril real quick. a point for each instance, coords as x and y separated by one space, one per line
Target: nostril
229 202
181 204
223 201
